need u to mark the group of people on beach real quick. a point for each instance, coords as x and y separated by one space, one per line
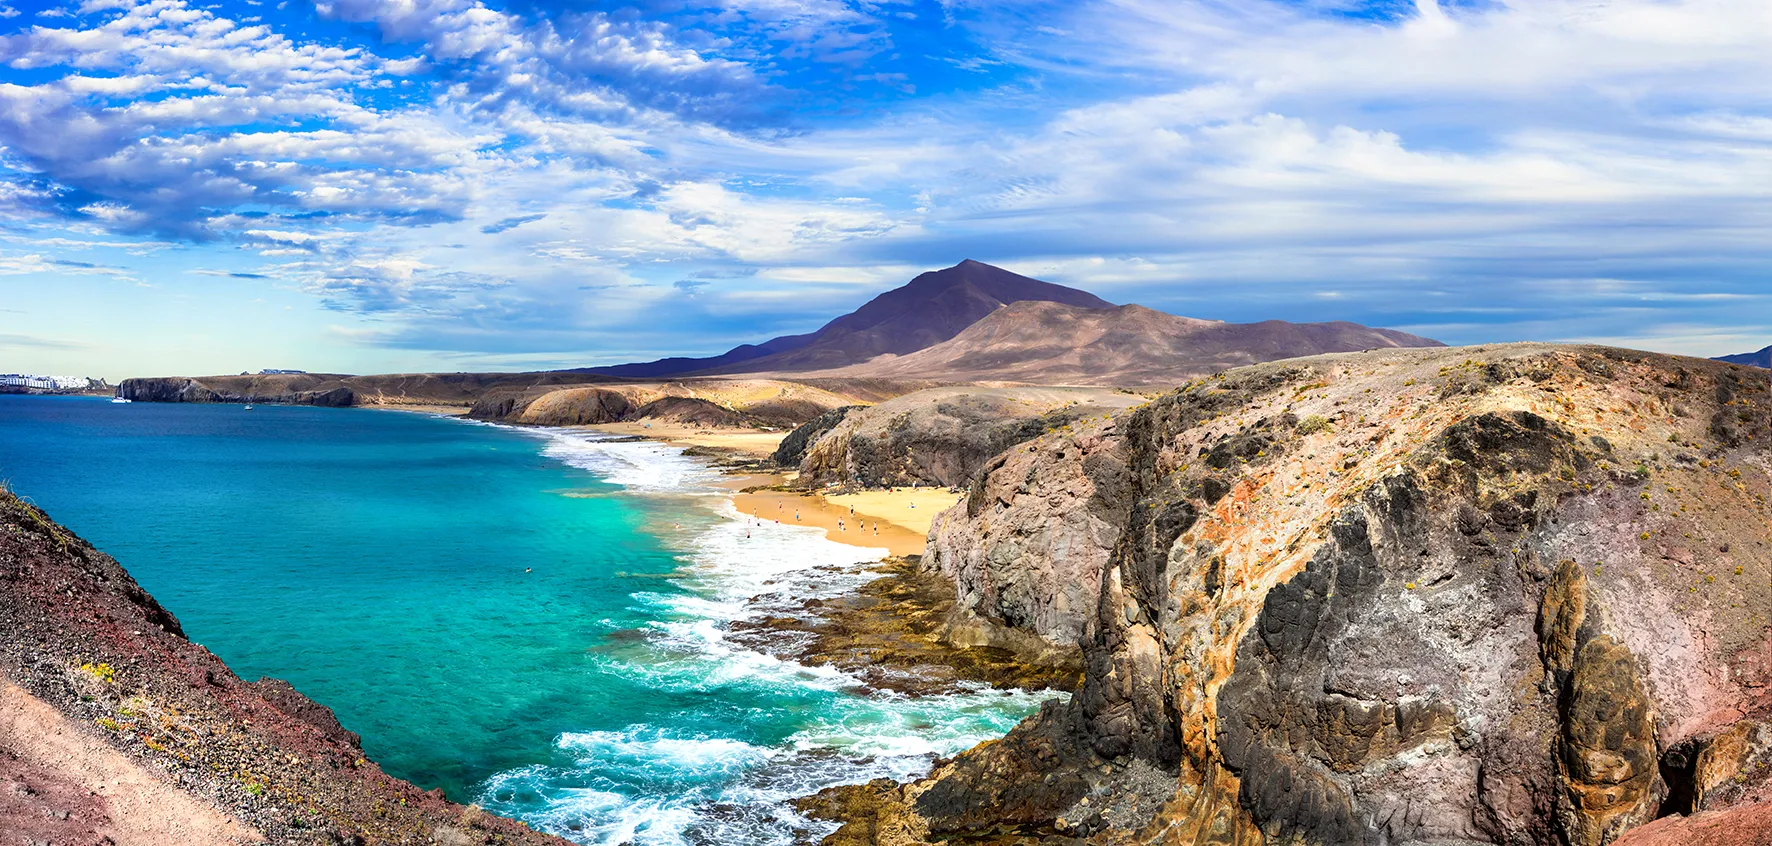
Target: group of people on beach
842 526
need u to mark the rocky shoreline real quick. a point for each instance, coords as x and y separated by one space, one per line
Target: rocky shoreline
242 761
1502 595
1509 595
895 633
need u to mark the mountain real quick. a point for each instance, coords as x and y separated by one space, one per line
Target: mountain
930 309
1763 358
1051 343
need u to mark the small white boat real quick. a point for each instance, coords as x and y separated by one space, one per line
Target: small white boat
248 408
118 400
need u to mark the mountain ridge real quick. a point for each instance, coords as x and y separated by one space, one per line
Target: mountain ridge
1052 343
1763 358
931 308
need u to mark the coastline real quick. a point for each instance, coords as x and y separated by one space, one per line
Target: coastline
837 656
897 520
803 607
420 408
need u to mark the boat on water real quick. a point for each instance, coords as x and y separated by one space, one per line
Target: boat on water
118 400
248 408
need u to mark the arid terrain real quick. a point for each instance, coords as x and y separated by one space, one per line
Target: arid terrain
1048 343
1325 584
1514 594
969 324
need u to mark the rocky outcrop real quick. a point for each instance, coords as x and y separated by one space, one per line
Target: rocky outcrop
728 403
563 407
944 436
304 389
334 390
1036 530
793 447
694 411
166 390
104 704
1499 595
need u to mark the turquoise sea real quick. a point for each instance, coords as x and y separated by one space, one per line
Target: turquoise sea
533 620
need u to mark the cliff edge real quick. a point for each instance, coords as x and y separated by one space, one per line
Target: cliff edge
1506 595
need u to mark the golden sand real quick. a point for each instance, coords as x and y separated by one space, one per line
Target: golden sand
872 518
752 442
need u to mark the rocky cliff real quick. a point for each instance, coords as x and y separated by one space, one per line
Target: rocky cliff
456 389
942 436
116 729
1514 594
732 403
288 390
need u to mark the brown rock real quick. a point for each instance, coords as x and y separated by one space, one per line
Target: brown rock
1607 759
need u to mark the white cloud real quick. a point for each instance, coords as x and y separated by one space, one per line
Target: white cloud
1165 151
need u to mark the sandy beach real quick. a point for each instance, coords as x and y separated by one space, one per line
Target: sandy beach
912 508
445 410
755 443
897 520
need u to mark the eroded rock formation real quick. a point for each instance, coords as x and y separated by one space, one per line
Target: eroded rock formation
1515 594
944 436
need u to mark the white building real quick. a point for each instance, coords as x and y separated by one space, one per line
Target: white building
44 383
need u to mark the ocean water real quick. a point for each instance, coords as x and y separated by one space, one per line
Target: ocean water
533 620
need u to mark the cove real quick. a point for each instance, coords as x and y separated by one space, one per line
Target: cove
532 620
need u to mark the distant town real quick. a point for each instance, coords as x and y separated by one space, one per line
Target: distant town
30 383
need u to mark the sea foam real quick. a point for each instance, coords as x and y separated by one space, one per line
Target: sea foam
786 729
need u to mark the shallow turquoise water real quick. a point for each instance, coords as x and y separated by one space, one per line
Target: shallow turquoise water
378 562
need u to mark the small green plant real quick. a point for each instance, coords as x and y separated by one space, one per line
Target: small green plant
1314 424
256 788
108 724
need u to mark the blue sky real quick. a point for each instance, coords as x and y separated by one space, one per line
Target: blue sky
402 185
